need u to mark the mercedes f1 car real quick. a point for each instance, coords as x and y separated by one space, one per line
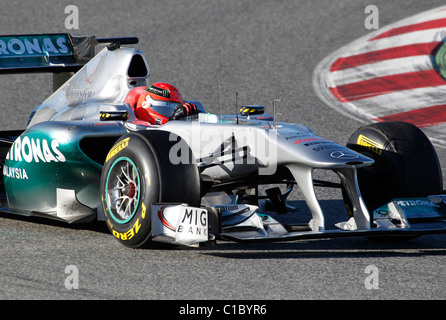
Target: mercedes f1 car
84 156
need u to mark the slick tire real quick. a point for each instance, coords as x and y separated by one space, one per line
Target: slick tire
138 172
406 163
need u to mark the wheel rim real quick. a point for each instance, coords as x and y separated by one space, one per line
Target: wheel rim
122 190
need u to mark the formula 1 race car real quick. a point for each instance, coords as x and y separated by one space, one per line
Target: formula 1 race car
85 156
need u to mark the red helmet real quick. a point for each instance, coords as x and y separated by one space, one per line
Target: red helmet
157 102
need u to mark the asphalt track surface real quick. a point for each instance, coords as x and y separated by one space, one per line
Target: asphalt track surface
263 50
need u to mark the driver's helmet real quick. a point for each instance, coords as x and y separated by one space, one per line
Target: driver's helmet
157 103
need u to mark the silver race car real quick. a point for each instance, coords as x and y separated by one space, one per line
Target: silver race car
85 156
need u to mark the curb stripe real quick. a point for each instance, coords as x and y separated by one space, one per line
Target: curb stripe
390 74
380 69
400 101
387 84
433 35
425 117
385 54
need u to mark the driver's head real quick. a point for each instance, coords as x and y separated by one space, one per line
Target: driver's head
157 102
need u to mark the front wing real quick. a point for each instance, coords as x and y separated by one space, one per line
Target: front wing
185 225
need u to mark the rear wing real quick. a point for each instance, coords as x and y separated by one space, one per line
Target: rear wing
61 54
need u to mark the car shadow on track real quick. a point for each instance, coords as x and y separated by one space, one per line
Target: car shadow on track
96 226
331 248
355 247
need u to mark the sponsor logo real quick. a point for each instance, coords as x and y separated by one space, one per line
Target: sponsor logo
328 146
92 125
34 46
193 222
128 234
144 209
229 208
158 91
343 156
370 144
15 173
306 140
79 94
113 115
416 202
163 219
179 224
35 150
117 148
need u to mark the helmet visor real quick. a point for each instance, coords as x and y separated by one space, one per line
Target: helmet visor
164 108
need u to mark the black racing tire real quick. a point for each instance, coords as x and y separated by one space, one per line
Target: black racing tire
406 163
138 172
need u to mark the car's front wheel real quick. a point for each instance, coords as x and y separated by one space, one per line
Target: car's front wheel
138 172
406 163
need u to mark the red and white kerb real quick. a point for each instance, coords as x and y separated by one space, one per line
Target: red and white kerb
391 74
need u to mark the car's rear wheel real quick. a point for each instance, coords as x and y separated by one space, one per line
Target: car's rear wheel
138 172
